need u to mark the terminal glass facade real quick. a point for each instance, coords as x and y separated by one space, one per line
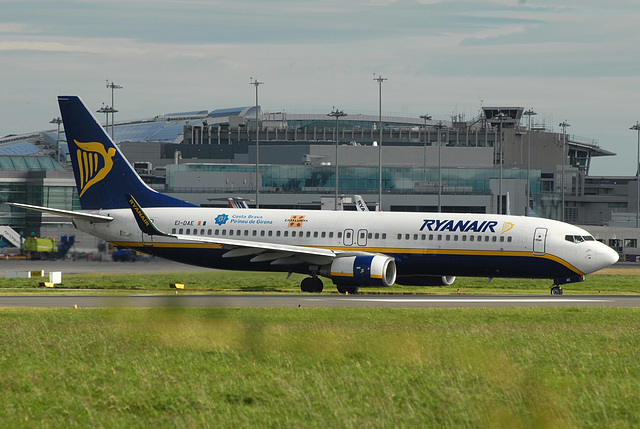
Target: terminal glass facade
304 178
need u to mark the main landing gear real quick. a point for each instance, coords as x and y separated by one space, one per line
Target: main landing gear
311 284
351 290
314 285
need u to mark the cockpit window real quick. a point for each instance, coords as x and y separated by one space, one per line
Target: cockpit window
579 238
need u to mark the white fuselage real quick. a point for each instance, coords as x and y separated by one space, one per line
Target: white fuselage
421 243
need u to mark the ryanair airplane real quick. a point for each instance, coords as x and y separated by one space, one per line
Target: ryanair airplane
353 249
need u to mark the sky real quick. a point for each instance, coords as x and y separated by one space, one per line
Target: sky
573 60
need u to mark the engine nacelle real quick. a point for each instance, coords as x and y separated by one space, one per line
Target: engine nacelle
426 280
364 270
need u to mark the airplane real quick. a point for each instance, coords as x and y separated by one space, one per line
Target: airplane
353 249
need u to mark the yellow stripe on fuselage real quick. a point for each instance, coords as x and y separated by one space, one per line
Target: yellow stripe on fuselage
384 250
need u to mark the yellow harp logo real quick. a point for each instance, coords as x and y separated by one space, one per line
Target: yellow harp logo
506 226
94 163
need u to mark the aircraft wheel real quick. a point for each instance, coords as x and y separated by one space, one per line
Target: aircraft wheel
307 285
351 290
556 290
311 284
318 286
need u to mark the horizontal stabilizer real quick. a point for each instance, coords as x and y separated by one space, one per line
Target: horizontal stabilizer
69 214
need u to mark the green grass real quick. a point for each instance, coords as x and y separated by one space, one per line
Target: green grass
241 282
320 368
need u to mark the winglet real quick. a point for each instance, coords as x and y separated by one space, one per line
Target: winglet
144 222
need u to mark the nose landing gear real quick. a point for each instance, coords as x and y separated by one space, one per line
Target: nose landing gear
556 290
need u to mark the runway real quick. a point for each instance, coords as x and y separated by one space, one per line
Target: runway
317 301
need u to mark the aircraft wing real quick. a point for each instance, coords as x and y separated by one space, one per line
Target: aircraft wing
278 254
69 214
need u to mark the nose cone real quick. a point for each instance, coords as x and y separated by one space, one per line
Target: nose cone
605 257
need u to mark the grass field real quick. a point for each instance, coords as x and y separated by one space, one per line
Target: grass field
343 368
608 281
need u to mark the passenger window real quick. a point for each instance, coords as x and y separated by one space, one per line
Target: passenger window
195 231
255 233
439 237
323 235
286 233
486 238
494 238
173 231
224 232
277 233
308 234
509 239
430 236
331 234
270 233
471 238
209 232
415 236
370 236
202 232
293 233
384 235
455 238
502 239
464 238
217 232
246 232
339 234
377 235
399 236
230 232
188 231
315 234
407 236
448 237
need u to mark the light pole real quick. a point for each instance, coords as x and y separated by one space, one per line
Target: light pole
113 87
564 126
424 171
257 84
636 127
500 117
106 110
57 121
336 114
529 113
439 168
379 79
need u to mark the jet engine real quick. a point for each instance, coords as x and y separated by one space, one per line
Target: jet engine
362 270
426 280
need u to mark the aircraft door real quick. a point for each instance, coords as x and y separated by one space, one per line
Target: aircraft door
147 239
362 237
347 240
540 241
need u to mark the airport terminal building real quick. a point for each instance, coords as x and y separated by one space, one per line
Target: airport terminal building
500 161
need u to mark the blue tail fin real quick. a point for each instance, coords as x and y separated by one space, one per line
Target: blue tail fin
103 176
